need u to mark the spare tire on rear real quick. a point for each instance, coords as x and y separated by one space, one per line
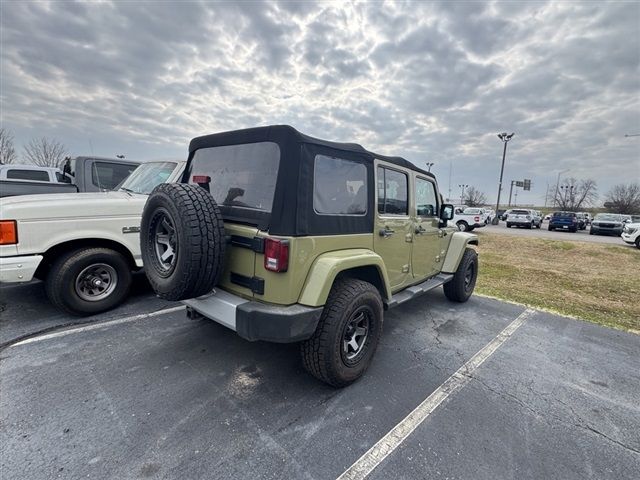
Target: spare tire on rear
182 241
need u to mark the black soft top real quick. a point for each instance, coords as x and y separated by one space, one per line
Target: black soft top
287 136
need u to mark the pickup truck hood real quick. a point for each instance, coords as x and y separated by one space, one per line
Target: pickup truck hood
71 205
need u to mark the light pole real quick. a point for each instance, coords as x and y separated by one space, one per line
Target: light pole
462 193
504 137
429 165
120 156
555 197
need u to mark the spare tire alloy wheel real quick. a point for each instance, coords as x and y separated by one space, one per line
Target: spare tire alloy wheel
182 241
166 247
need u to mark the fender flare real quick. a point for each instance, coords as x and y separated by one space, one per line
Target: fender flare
329 265
457 246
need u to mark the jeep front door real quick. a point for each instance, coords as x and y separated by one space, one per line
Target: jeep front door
425 256
393 227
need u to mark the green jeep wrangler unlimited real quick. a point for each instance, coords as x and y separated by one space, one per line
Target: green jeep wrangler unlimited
288 238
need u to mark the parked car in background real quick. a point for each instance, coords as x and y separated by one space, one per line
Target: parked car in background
631 234
582 221
505 215
586 216
537 215
469 219
84 246
523 218
490 215
608 224
500 213
547 217
562 220
79 174
30 173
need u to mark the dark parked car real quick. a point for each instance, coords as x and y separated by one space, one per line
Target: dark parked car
582 221
607 224
562 220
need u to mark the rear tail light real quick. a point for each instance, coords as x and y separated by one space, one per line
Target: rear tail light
8 232
476 219
276 255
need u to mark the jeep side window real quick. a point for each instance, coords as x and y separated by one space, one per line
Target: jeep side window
339 186
392 192
425 198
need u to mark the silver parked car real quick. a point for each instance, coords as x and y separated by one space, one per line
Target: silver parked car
524 218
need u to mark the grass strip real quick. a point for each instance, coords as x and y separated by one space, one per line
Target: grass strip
591 281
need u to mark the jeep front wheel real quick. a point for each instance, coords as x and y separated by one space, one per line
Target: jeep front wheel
461 286
347 334
182 241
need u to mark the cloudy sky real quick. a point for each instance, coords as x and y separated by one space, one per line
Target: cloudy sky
434 82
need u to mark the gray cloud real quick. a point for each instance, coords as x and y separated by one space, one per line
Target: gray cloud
430 81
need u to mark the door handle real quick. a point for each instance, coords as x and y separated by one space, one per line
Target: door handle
419 230
386 232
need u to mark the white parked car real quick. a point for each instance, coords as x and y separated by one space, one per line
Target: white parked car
631 234
84 246
469 218
524 218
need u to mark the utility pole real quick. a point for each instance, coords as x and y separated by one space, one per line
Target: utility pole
511 191
505 139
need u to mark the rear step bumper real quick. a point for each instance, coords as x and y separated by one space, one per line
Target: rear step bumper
257 321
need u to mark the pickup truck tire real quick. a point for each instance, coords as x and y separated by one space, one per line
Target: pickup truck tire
352 317
462 226
182 241
508 225
461 286
88 281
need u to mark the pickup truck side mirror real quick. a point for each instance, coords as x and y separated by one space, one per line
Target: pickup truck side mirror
446 213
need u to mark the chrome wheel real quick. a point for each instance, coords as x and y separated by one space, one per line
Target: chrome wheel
165 241
356 333
96 282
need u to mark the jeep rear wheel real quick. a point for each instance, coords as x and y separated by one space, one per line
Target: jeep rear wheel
461 286
347 335
182 241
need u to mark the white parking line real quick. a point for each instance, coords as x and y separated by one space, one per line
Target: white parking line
95 326
392 440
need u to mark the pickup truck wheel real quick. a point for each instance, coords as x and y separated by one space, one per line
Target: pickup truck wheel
462 226
88 281
638 242
347 334
182 241
461 286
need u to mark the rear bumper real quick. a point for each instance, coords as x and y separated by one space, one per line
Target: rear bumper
18 269
257 321
563 225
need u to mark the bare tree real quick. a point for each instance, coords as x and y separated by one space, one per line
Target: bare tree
7 152
624 198
474 197
45 152
574 195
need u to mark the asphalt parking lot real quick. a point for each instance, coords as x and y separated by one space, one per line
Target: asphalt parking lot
134 396
580 235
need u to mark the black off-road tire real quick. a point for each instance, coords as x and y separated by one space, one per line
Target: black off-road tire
322 354
60 282
198 236
461 286
638 242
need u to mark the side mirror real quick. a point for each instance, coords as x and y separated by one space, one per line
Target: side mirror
446 213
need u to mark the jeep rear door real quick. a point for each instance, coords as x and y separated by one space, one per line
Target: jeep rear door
426 255
393 226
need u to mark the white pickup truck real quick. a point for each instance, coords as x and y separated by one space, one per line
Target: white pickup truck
84 246
469 218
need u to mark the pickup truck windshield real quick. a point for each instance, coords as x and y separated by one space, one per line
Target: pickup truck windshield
147 176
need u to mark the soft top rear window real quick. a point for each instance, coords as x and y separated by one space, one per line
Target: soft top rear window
242 176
